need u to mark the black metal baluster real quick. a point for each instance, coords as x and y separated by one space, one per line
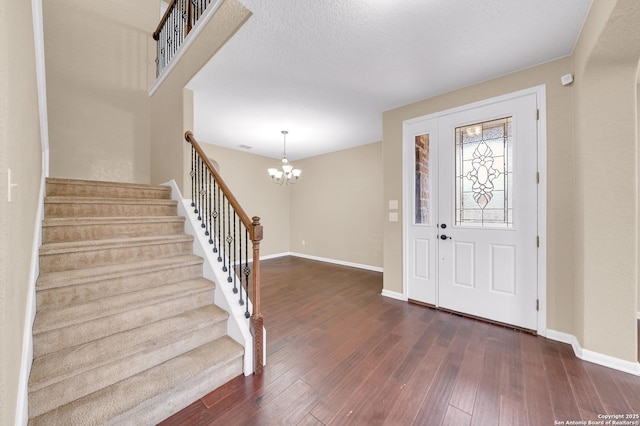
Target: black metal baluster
193 177
172 31
208 231
165 46
235 288
223 246
246 271
229 241
214 240
181 19
169 44
198 189
205 194
219 241
239 265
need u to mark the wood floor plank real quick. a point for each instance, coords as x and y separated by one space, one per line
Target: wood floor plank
512 412
456 417
562 398
338 352
464 392
289 407
585 393
537 393
486 410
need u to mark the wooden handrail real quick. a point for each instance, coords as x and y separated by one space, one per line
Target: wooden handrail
255 232
156 33
244 217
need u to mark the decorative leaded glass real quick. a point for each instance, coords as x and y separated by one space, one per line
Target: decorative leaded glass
421 200
484 157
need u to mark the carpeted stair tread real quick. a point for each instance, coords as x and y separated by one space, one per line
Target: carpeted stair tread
107 200
77 221
58 318
78 246
57 339
137 399
87 254
72 277
66 375
90 188
64 288
102 207
66 229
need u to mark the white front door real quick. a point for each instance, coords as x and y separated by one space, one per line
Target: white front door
472 217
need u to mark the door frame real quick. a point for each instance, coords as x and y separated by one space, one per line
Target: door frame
407 190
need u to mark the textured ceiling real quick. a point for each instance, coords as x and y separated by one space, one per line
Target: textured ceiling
326 70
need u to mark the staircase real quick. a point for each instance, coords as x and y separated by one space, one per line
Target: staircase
126 331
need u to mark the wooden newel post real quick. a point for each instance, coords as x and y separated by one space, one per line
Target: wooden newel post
256 322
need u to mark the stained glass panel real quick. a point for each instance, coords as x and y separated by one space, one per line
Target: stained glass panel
484 156
422 195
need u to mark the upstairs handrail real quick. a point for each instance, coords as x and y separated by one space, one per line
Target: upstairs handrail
223 219
176 22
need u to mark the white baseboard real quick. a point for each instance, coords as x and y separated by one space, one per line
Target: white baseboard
393 295
22 408
594 357
273 256
335 261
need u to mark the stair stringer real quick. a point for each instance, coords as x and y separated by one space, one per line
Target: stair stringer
237 325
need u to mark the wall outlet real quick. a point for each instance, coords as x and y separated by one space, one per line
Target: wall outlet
393 216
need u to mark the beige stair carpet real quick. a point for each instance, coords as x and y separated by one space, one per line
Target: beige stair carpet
126 331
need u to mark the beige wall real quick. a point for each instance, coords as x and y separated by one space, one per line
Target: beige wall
337 207
246 175
100 64
169 102
606 267
20 150
560 177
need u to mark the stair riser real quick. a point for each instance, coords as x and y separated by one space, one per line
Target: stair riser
98 257
64 296
108 210
90 381
77 334
61 234
155 410
105 191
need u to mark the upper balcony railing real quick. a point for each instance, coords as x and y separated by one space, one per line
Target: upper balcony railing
176 23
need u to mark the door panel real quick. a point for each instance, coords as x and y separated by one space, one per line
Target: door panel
487 197
475 251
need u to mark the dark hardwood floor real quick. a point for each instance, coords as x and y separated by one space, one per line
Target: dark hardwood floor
339 353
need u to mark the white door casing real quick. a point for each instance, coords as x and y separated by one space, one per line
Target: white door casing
490 272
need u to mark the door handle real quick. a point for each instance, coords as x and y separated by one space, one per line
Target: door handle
444 237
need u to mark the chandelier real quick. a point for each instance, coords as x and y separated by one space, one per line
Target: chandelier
286 173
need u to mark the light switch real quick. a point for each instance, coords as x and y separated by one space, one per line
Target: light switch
393 204
393 216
